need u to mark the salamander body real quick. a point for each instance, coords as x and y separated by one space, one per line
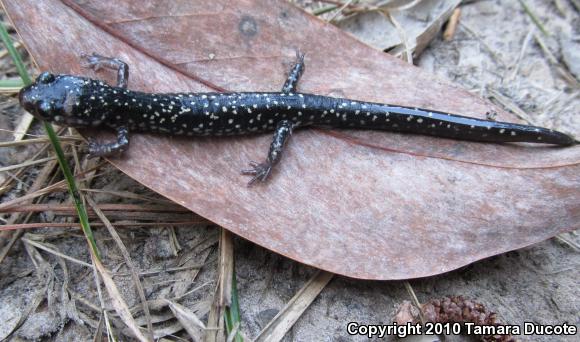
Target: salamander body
83 102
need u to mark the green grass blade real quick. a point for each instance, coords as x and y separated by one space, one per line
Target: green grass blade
11 83
15 56
232 313
72 187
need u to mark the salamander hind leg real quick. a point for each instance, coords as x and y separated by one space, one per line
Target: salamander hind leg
295 73
108 149
261 171
97 62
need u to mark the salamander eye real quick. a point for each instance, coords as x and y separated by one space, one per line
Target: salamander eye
45 77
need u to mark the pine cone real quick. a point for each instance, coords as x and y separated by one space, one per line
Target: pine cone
455 309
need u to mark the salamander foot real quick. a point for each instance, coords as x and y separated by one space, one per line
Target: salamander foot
97 62
260 171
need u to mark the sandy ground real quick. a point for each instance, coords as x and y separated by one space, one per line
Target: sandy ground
493 51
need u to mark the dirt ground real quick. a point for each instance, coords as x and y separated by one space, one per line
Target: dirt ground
493 50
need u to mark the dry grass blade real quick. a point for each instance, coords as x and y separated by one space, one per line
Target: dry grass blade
509 104
337 13
23 126
26 164
215 321
130 195
97 224
67 208
414 298
57 253
34 141
518 62
534 17
223 295
189 320
40 192
6 185
285 319
128 261
117 301
40 180
560 68
566 240
408 51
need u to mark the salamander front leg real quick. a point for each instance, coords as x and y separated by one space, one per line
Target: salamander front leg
96 62
261 171
295 73
103 150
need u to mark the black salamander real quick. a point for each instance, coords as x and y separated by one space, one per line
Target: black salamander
83 102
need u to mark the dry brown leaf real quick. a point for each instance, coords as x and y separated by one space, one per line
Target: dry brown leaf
365 204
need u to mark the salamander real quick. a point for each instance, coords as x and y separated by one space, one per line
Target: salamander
84 102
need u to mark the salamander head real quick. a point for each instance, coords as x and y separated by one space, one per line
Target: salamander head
56 98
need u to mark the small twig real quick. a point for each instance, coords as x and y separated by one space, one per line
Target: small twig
452 24
414 299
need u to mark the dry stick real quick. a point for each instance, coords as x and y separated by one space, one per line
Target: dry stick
226 270
215 320
23 126
452 25
98 224
128 261
414 299
285 319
